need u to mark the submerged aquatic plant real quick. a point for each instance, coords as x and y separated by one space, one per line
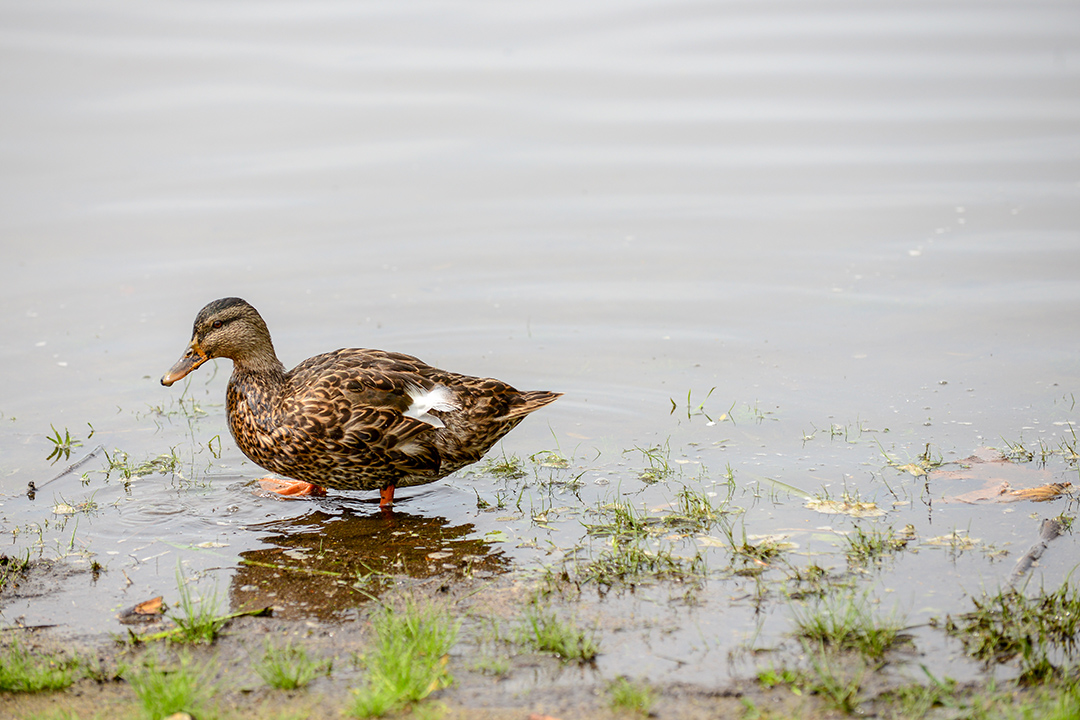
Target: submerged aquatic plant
870 546
62 445
659 463
692 511
810 580
542 630
693 410
750 555
120 462
1042 631
550 459
198 621
506 467
695 510
846 623
621 518
631 562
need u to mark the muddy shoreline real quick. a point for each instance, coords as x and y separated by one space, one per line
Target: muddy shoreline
528 685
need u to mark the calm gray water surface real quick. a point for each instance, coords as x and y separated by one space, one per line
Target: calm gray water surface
860 215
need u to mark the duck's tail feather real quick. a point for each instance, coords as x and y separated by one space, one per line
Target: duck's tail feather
529 401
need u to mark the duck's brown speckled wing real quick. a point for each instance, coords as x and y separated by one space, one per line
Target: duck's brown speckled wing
342 421
335 424
350 405
376 378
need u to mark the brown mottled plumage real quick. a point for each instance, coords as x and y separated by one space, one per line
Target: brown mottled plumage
350 419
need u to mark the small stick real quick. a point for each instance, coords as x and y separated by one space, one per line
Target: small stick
260 612
1050 530
78 463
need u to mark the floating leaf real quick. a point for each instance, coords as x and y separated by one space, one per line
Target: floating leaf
953 540
845 507
1042 493
779 541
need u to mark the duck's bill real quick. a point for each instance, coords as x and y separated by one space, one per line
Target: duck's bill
193 358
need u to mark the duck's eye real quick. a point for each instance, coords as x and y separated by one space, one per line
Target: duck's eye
216 324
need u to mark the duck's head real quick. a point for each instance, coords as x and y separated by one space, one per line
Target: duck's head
228 328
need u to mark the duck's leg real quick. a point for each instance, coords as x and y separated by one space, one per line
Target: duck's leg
291 488
386 496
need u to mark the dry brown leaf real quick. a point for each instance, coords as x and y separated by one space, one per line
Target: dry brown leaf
1038 494
153 606
1000 491
144 612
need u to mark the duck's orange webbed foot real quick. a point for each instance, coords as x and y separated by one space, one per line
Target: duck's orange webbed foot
291 488
386 497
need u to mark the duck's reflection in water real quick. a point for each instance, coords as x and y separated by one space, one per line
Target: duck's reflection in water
322 565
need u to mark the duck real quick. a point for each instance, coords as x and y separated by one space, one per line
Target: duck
353 419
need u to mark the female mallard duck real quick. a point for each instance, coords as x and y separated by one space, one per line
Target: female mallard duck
349 419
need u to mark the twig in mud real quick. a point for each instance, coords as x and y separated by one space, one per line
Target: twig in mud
31 489
1051 529
167 634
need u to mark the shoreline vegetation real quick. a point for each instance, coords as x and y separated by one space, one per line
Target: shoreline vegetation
530 641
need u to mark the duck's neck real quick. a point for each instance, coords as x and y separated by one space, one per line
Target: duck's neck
260 361
253 354
263 365
253 398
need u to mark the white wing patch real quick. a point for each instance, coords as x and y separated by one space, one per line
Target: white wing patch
423 401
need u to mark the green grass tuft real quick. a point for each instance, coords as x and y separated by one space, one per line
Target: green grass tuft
635 697
543 631
120 462
836 683
287 667
198 621
408 660
22 671
1043 631
507 467
659 463
10 567
165 692
846 623
62 445
871 546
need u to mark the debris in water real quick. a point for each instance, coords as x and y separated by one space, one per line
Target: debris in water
853 508
146 611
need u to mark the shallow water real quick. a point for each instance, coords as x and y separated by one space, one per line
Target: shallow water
857 223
